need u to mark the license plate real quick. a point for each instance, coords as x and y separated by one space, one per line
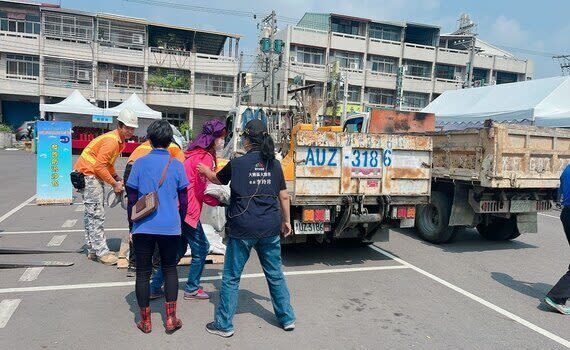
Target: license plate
308 228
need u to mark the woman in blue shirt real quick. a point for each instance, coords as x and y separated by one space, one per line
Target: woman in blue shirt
163 226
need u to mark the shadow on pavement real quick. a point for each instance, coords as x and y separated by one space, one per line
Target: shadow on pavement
332 254
537 290
468 240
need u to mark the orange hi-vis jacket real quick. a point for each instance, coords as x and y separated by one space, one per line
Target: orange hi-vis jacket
98 158
146 147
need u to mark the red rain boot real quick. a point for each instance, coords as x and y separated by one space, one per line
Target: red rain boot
144 324
172 323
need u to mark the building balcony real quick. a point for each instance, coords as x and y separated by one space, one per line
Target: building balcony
419 52
56 88
21 43
380 80
354 76
311 71
510 65
309 37
214 102
483 61
120 56
347 42
171 59
442 85
452 57
417 84
169 97
80 51
23 85
213 64
385 47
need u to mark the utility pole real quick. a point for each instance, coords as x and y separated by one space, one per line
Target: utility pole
345 97
564 61
271 50
239 87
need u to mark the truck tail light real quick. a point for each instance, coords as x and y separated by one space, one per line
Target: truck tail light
404 212
316 215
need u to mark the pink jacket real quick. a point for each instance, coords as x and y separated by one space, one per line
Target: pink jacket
198 183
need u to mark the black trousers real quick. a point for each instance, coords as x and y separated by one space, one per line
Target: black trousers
560 293
144 247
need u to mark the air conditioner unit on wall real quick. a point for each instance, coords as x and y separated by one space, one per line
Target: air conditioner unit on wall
138 39
293 58
354 65
82 74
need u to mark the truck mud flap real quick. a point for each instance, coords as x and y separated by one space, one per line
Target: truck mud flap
461 212
526 223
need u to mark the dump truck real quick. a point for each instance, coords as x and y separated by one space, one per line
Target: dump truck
343 184
496 178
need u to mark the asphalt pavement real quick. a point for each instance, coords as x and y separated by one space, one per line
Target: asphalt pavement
406 293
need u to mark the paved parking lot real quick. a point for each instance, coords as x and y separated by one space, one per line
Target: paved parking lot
406 293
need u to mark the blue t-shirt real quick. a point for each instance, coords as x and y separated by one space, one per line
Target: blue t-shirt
564 189
144 177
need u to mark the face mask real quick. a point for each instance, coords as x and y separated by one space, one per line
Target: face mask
219 144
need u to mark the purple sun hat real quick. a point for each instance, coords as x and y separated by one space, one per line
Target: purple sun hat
211 130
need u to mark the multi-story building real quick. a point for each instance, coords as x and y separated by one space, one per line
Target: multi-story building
46 52
387 64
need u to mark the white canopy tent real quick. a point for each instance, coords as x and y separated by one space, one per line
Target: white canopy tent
73 104
543 102
135 104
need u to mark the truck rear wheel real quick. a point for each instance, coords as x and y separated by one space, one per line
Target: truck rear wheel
499 229
432 220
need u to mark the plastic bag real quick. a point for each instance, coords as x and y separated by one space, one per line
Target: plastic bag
213 216
214 239
220 192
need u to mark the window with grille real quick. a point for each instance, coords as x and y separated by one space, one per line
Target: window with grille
19 22
211 84
381 96
350 60
385 32
445 71
22 66
383 64
353 93
121 34
312 55
345 26
480 74
506 77
317 91
415 99
127 77
67 71
418 68
66 26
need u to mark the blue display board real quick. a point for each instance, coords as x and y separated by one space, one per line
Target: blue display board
53 183
102 119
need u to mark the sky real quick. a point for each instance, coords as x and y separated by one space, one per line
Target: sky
534 30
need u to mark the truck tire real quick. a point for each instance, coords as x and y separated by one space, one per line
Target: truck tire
499 229
432 220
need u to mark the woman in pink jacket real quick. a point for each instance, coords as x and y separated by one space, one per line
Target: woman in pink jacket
201 151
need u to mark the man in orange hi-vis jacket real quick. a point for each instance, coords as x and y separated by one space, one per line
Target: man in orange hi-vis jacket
97 163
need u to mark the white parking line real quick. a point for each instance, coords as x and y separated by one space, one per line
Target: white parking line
69 223
31 274
23 204
56 231
204 279
56 240
550 216
80 207
7 308
481 301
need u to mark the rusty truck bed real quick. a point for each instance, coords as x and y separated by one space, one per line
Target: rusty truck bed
335 164
502 155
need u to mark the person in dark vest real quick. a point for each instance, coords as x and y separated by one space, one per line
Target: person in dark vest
258 213
560 293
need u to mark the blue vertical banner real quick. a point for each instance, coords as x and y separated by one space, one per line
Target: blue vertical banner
54 163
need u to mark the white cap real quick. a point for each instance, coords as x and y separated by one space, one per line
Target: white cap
129 118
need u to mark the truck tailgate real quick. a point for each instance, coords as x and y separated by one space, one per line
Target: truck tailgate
338 164
503 155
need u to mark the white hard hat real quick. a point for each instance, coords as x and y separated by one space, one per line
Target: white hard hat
177 137
129 118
